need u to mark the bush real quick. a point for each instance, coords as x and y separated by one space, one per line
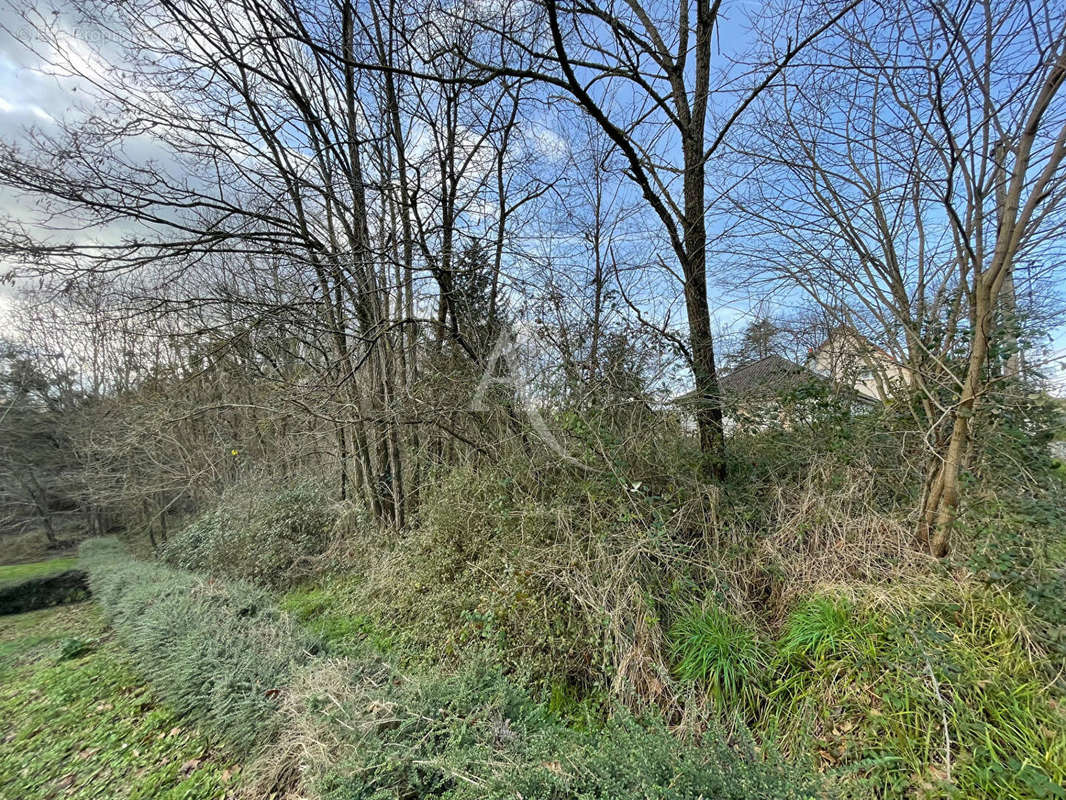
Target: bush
219 653
272 537
474 736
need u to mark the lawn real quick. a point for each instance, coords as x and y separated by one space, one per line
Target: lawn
76 721
12 573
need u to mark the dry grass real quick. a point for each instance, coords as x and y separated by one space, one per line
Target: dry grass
310 742
828 529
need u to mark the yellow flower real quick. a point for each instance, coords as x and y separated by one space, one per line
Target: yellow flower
233 452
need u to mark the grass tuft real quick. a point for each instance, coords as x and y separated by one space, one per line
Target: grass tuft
722 654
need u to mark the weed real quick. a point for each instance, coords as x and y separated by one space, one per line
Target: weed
820 628
722 654
74 647
928 689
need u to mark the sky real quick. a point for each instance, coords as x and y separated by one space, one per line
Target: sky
29 97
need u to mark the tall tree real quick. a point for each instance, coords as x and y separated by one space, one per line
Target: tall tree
645 74
906 170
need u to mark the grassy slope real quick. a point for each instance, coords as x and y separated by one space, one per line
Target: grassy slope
12 573
77 722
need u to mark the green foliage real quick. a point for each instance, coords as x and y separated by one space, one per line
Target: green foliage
720 653
271 537
475 736
73 648
327 611
1019 541
220 653
820 628
82 725
932 692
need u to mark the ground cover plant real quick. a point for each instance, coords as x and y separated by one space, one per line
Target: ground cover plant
267 534
78 721
217 652
357 728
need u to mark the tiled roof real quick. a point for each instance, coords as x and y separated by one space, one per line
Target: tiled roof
769 375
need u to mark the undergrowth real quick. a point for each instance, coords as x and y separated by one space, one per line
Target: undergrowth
272 536
474 735
931 689
218 652
803 614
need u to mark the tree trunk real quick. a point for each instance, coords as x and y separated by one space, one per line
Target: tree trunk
701 343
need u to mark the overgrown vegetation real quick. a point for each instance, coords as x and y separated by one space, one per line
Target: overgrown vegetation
401 379
801 614
356 727
218 652
474 736
76 720
268 535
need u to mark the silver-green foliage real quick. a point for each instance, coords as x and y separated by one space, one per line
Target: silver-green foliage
474 736
270 536
219 652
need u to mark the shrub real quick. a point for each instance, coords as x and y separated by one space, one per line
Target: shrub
475 736
218 652
272 537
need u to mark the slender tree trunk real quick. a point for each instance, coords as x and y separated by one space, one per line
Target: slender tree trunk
701 342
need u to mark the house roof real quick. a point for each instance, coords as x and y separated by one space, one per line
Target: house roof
849 333
769 375
765 377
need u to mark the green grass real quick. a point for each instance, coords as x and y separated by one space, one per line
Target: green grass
327 611
13 573
76 721
932 692
721 654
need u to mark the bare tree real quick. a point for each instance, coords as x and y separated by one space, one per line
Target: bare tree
908 167
645 75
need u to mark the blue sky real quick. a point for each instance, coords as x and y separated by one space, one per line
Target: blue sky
30 98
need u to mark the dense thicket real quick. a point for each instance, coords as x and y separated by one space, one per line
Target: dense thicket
406 313
365 241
